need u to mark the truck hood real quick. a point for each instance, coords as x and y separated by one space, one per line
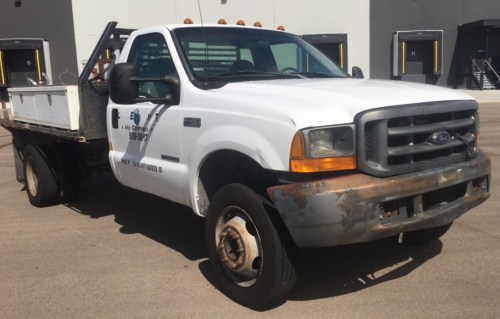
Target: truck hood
337 101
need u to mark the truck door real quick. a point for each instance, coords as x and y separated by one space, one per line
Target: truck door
145 137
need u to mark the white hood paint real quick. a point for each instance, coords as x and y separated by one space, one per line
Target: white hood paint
337 101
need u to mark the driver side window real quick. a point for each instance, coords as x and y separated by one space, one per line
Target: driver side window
151 55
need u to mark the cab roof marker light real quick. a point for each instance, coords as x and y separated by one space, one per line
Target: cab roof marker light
188 21
281 28
222 21
240 22
257 24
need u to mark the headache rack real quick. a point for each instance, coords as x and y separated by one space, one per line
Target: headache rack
401 139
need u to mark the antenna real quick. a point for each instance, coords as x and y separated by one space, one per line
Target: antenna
207 65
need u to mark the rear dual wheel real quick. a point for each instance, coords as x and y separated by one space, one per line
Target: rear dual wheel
253 258
40 176
51 177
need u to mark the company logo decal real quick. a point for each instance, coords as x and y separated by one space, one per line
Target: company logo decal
136 117
440 138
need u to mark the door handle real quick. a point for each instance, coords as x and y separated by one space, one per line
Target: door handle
114 118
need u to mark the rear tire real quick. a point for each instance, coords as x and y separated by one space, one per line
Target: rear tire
425 236
254 263
40 177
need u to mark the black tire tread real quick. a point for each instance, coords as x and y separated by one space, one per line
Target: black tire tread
284 278
47 184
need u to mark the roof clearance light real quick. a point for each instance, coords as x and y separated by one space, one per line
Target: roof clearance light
222 21
281 28
240 22
188 21
257 24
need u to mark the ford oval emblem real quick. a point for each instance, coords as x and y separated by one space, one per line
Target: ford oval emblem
440 138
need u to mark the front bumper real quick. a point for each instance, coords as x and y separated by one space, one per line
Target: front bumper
359 208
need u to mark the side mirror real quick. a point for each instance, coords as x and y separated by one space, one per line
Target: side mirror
121 89
357 73
124 86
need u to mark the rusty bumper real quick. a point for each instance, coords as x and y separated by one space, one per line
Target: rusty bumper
359 208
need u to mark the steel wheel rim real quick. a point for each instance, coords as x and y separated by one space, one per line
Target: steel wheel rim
31 177
239 246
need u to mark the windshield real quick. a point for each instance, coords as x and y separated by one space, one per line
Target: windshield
236 54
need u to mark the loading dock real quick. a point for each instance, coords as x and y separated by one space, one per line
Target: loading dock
418 56
333 45
22 58
479 54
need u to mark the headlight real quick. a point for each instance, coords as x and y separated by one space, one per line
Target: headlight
323 149
320 142
330 142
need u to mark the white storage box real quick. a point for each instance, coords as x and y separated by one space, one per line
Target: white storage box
56 106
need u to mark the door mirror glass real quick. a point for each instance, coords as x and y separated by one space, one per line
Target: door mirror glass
121 89
125 86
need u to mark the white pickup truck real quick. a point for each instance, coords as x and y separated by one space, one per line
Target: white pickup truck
264 136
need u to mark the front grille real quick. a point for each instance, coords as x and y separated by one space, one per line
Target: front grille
409 138
403 139
367 145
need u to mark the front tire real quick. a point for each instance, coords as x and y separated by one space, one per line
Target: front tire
254 263
40 177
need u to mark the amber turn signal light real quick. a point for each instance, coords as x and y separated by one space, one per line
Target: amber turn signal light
298 150
329 164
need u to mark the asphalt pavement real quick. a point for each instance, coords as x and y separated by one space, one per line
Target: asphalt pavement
119 253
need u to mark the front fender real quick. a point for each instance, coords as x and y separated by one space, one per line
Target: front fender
269 153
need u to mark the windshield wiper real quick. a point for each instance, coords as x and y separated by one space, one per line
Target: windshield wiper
318 74
250 72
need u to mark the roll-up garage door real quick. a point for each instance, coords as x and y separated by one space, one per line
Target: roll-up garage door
333 45
418 52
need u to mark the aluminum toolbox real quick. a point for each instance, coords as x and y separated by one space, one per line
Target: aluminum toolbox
55 106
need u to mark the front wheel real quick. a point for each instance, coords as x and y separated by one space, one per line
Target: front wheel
252 260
